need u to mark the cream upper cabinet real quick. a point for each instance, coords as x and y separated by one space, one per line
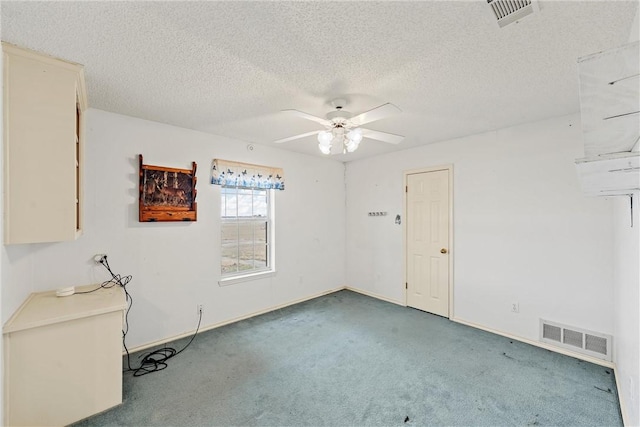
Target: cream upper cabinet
44 104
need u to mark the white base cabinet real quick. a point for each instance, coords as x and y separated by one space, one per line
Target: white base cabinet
63 357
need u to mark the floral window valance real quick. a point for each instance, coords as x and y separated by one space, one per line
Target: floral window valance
245 175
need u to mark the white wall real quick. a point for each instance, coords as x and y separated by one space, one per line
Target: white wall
2 254
627 305
523 231
176 266
626 352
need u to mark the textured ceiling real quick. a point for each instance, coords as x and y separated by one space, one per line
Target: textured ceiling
229 68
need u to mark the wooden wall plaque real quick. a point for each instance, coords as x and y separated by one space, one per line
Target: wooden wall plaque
167 194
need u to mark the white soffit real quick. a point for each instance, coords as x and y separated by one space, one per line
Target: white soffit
610 100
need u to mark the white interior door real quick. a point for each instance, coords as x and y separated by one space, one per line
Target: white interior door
428 241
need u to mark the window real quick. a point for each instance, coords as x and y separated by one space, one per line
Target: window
246 231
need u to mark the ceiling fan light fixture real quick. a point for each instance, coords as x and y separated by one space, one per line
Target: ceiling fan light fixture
325 149
325 138
351 146
342 132
353 140
355 135
324 141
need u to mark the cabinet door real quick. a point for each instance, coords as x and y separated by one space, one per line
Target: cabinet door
41 181
61 373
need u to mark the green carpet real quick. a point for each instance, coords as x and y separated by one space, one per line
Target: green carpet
349 360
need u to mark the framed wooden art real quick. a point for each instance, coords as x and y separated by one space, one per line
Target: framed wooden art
167 194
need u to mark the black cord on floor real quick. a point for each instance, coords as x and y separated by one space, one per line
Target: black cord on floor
157 360
153 361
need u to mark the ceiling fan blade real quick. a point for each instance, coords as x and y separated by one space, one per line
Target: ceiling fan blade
293 138
382 136
378 113
316 119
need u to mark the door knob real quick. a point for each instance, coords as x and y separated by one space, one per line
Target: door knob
443 251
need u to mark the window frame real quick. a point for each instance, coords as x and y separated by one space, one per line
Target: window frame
255 273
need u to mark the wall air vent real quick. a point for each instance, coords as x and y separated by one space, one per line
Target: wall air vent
592 344
550 332
509 11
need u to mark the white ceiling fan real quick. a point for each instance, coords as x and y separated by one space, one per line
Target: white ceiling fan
342 131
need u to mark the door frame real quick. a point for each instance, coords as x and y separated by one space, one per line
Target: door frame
405 174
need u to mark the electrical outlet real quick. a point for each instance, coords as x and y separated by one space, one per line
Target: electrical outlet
98 258
515 307
200 310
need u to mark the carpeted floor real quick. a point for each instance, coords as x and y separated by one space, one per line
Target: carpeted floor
347 359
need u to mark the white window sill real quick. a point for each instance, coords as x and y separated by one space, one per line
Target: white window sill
246 277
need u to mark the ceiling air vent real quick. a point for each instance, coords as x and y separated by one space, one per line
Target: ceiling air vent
509 11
